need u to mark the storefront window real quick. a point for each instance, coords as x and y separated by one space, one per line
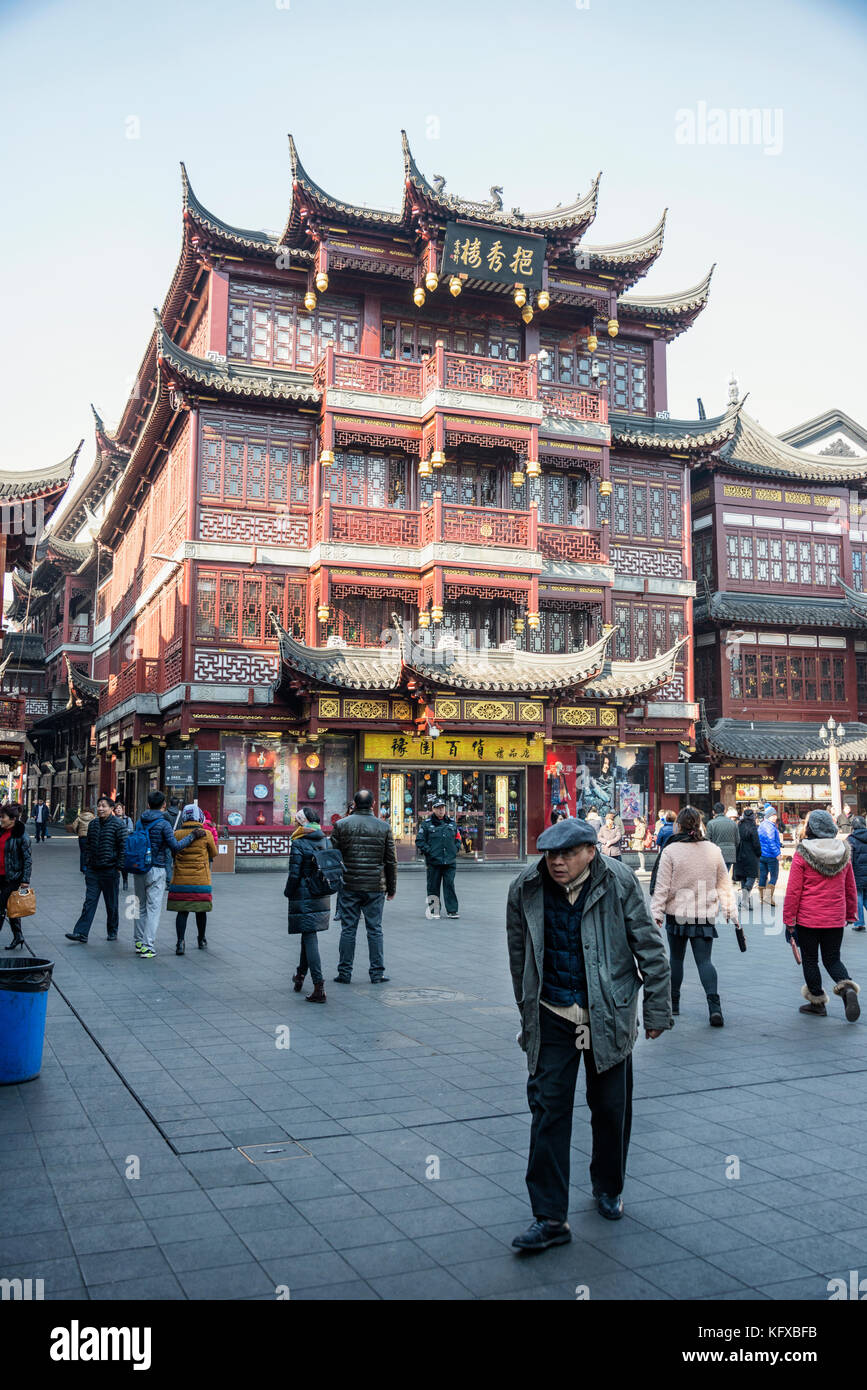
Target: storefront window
614 779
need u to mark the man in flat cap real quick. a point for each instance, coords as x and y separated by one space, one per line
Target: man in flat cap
579 932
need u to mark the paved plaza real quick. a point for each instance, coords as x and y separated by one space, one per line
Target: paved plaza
386 1144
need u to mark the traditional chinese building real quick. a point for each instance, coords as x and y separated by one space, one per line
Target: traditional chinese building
389 506
779 541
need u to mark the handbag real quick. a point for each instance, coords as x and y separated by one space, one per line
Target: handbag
740 936
21 903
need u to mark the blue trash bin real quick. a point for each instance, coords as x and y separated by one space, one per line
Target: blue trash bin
24 986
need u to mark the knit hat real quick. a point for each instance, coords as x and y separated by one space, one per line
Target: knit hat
192 812
769 811
822 825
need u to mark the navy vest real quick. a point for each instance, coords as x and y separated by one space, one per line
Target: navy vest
564 980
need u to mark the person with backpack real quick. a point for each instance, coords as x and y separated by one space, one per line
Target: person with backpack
150 855
820 899
190 888
857 842
106 839
80 827
315 873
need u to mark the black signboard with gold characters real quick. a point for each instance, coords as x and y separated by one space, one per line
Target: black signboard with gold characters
485 253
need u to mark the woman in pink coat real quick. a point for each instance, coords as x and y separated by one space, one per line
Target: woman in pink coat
820 900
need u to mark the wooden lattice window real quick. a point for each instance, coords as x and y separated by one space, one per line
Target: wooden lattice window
368 480
256 467
234 608
465 485
270 327
645 511
643 631
560 630
366 622
407 340
780 678
755 556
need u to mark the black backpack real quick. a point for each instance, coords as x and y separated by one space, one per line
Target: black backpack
324 872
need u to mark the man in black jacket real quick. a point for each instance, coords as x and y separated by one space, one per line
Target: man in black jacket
367 846
438 839
106 837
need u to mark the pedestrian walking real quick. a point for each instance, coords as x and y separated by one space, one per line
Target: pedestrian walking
41 819
844 820
309 906
16 865
80 827
438 839
746 866
593 818
609 837
821 898
638 838
106 838
127 822
190 888
367 846
578 933
858 848
692 886
666 830
150 885
722 831
769 860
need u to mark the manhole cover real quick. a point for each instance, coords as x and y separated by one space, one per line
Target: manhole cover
425 996
278 1152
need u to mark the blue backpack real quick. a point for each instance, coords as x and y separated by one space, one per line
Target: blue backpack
138 856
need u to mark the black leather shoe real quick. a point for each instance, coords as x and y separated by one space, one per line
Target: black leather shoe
112 936
381 980
540 1234
70 936
342 979
180 949
609 1207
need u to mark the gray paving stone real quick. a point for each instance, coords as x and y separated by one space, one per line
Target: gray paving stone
297 1239
192 1225
120 1236
214 1252
145 1263
694 1278
429 1285
157 1288
306 1271
355 1291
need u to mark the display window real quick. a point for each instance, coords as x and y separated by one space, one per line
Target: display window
487 806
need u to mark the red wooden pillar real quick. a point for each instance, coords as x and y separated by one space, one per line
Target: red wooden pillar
658 376
533 526
67 601
438 516
686 551
371 342
218 313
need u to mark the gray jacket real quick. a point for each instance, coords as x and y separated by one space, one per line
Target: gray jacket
723 832
619 938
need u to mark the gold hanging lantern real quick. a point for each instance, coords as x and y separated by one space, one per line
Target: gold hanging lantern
606 628
418 296
455 286
613 328
425 469
606 487
326 458
436 613
520 296
592 342
431 280
517 478
321 281
534 468
310 301
518 626
543 299
424 618
533 621
438 458
323 612
527 314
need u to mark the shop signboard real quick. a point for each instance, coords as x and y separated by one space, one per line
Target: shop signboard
698 778
210 768
143 754
180 767
674 779
463 748
484 253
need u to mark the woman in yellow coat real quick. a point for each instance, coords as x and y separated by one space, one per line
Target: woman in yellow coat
190 889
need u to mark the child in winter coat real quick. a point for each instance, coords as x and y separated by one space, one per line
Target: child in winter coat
820 900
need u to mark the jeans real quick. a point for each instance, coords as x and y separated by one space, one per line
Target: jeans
41 828
551 1093
701 952
859 920
442 875
181 924
349 908
310 958
149 889
829 940
769 871
98 883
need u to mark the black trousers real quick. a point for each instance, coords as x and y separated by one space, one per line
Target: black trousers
41 828
551 1093
828 940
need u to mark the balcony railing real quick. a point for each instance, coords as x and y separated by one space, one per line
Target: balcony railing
485 526
455 371
366 526
144 676
570 543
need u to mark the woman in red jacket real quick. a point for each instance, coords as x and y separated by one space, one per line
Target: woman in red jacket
820 900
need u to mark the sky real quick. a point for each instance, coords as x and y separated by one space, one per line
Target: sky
99 102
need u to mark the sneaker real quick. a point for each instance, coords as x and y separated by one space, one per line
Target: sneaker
380 980
138 947
342 980
146 953
454 915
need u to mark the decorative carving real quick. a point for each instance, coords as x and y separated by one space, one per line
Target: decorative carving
234 668
838 448
665 564
492 711
447 709
577 716
530 713
329 709
264 844
608 718
342 438
264 529
673 689
365 709
401 709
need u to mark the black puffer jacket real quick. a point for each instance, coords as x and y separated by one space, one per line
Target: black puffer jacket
438 840
749 849
858 845
367 846
105 842
306 913
18 860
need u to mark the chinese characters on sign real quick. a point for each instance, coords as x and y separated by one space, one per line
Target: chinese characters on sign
459 749
485 253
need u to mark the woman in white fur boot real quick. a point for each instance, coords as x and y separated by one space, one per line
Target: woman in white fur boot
820 900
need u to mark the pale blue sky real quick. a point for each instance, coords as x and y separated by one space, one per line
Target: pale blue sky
534 96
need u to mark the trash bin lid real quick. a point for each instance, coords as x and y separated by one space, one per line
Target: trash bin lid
25 974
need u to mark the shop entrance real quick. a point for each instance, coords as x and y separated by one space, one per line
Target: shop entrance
488 807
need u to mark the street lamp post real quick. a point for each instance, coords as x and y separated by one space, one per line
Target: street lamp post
832 736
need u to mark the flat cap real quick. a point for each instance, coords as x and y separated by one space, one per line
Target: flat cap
566 834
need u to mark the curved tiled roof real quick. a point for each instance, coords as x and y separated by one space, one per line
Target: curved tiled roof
21 484
84 684
356 668
754 739
240 237
672 311
627 679
271 383
640 251
777 609
673 436
753 449
491 669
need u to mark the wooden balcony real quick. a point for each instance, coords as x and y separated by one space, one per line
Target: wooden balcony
571 543
485 526
455 371
365 526
144 676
